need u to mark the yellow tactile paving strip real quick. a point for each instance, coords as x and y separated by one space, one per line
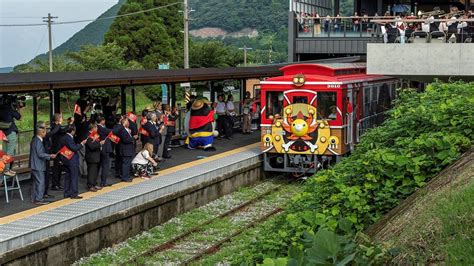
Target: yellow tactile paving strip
86 195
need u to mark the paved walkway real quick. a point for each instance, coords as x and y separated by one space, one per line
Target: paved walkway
180 156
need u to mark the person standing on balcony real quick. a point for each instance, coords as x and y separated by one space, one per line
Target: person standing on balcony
337 23
463 29
355 22
317 23
327 23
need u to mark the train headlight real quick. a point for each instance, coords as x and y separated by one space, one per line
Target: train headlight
299 80
267 140
334 140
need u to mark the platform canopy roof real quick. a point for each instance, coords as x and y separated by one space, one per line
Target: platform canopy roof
29 82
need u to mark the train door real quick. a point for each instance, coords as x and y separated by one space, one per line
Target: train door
350 118
356 106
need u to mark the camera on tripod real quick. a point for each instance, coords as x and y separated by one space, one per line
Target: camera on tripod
14 101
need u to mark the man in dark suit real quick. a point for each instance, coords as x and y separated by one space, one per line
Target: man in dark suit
106 152
37 163
71 180
93 146
118 156
52 142
127 149
154 137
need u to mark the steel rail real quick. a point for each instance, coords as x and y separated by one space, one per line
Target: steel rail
170 243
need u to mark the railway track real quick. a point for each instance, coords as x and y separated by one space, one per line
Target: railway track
193 254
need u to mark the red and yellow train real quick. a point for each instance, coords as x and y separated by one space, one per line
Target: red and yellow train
315 113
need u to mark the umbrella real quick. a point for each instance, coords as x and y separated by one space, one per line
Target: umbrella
400 9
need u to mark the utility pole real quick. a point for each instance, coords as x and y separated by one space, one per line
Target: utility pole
186 34
245 48
49 20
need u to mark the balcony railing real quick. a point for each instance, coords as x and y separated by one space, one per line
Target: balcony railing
324 27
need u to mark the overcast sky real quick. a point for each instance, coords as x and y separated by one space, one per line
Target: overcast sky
20 44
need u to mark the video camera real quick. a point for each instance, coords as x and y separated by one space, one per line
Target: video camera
14 101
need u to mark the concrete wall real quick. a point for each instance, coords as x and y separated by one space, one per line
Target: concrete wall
89 238
421 59
333 45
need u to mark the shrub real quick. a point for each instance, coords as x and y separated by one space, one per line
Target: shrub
424 133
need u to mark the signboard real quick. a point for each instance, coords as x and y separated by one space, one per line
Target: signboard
228 88
185 85
164 87
206 94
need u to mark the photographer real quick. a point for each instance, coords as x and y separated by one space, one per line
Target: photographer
9 112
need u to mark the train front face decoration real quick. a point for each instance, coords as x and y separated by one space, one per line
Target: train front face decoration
315 113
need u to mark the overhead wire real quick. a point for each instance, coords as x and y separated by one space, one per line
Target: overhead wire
41 42
90 20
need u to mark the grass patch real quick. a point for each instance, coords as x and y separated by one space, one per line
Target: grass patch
443 232
160 234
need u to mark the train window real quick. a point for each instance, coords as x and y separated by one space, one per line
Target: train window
327 105
274 103
300 99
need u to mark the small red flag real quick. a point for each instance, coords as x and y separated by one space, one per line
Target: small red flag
6 158
132 117
114 138
94 135
143 132
77 109
3 136
66 152
143 121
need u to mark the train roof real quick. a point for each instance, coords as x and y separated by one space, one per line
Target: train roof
331 72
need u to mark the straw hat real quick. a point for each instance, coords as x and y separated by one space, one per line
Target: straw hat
198 104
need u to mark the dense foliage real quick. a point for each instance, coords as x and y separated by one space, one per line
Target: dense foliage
264 15
151 38
424 133
88 58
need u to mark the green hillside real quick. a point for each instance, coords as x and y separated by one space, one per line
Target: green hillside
231 15
92 34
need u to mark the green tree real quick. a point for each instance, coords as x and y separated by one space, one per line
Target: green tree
103 57
213 54
152 37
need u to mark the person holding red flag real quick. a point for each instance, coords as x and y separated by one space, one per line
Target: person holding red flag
105 152
93 147
127 149
70 159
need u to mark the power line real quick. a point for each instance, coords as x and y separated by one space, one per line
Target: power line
41 42
90 20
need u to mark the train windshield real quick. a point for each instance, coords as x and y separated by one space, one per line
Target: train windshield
274 103
327 106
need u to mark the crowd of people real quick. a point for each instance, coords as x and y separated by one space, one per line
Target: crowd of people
455 30
398 29
87 144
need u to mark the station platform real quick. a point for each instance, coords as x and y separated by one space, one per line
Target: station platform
183 170
180 156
